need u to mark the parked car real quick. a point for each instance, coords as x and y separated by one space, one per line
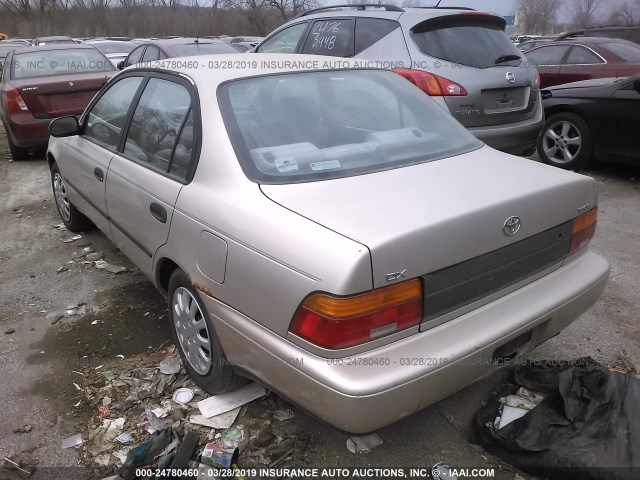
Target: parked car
151 51
4 51
359 306
44 83
593 118
529 44
584 59
115 50
56 40
631 33
463 56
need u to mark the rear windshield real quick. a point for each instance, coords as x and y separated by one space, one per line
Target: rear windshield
115 47
479 44
45 63
624 51
5 50
190 49
309 126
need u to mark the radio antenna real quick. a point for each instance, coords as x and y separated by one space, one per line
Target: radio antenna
438 4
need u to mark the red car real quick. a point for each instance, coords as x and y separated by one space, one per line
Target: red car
568 61
41 83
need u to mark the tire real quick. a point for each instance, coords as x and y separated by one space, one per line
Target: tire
195 337
566 142
17 153
72 218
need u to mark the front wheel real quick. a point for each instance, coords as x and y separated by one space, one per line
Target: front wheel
565 142
196 339
72 218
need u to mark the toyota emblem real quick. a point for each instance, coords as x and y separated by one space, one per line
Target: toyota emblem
511 78
511 226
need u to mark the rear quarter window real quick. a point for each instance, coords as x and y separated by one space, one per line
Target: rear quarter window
331 37
371 30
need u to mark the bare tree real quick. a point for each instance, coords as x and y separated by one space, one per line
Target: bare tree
254 10
627 14
537 16
583 12
290 8
410 3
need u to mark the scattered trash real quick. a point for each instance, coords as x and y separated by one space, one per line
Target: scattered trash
88 249
102 265
104 411
218 404
92 257
170 365
73 441
95 322
72 310
182 396
56 319
516 406
364 444
216 455
125 437
60 227
62 269
282 415
9 464
72 239
224 420
9 331
23 429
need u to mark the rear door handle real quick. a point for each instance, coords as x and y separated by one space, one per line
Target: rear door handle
99 174
158 212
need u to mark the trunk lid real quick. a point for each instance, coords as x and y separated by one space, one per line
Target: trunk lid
427 217
52 97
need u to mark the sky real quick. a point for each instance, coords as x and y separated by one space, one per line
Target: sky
508 7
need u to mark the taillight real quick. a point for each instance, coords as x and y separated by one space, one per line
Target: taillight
536 81
583 229
14 101
432 84
338 322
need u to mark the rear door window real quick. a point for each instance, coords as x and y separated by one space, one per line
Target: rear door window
285 41
550 55
467 41
136 55
333 36
152 54
371 30
582 56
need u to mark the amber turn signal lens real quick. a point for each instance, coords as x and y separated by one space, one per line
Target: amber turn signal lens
583 229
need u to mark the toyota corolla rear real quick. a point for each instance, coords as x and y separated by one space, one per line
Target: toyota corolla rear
404 260
49 82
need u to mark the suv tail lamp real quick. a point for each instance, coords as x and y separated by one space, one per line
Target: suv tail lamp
431 84
14 101
583 229
339 322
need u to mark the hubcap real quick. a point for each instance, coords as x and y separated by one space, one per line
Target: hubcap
62 200
562 142
191 329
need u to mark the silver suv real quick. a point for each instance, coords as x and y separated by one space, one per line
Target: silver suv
459 56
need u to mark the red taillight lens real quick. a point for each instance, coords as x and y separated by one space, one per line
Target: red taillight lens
536 81
432 84
338 322
583 230
14 101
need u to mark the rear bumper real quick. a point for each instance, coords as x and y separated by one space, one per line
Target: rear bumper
27 131
371 390
515 138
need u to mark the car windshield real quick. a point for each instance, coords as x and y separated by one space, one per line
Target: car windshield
302 127
624 51
467 42
46 63
115 47
188 49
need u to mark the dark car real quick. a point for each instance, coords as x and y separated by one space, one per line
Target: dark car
42 83
584 59
153 50
530 44
594 118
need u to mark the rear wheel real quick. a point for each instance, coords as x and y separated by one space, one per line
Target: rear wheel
72 218
565 142
196 339
17 153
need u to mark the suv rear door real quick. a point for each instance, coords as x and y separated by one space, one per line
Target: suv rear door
472 50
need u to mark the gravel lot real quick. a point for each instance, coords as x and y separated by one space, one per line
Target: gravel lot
37 360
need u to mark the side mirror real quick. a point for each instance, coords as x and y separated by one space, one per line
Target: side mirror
636 85
64 127
121 65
